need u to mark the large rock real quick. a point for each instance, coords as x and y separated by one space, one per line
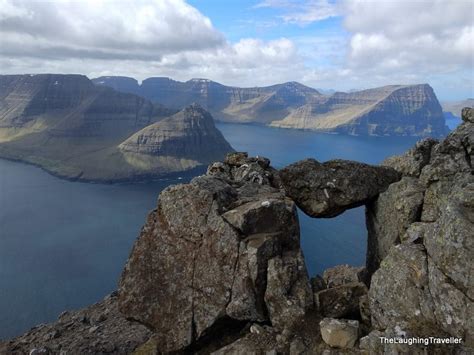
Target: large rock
433 263
399 291
389 217
343 274
216 254
340 301
339 333
328 189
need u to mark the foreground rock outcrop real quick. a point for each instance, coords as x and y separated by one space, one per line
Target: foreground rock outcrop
424 242
217 253
218 268
328 189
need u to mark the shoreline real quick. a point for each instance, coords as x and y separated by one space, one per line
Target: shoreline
140 179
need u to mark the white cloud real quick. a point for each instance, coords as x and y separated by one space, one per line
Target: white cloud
302 12
106 29
424 36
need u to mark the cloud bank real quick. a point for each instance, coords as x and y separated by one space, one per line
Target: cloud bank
379 43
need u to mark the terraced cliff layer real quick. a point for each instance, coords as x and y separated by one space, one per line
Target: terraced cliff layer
409 110
73 128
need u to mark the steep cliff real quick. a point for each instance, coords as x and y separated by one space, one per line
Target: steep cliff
409 110
72 128
392 110
185 140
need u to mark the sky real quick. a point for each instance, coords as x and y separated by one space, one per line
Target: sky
330 44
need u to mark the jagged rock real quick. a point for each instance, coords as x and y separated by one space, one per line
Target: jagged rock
405 268
364 309
318 284
453 309
339 333
215 255
412 162
390 215
288 295
328 189
251 344
450 240
340 301
467 114
343 274
71 333
298 347
451 163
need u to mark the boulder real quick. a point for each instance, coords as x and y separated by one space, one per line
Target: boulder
340 301
328 189
339 333
405 268
390 215
288 295
216 254
343 274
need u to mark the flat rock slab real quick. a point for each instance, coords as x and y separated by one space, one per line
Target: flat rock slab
328 189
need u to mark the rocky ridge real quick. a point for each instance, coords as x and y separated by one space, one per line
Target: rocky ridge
403 110
218 267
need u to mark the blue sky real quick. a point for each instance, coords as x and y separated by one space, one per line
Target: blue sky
331 44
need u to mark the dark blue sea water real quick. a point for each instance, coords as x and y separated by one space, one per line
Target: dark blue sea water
63 244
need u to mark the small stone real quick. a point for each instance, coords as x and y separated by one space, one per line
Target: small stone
93 329
339 333
256 329
297 347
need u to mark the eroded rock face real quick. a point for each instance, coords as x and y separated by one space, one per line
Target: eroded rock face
328 189
390 215
217 253
432 259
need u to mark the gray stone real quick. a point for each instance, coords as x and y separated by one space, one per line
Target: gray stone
467 114
399 291
328 189
215 251
390 215
340 301
288 295
343 274
413 161
339 333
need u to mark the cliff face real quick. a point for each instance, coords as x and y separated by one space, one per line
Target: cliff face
218 267
409 110
393 110
187 138
73 128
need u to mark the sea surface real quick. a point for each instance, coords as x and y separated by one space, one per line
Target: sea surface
63 244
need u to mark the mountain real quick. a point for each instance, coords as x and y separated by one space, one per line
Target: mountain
455 107
186 138
410 110
73 128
